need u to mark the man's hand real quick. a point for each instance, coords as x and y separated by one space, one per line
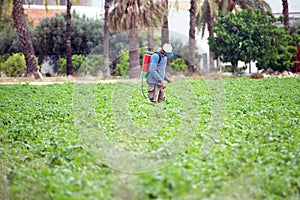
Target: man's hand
161 85
169 81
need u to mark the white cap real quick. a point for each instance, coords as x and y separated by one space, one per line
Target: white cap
168 49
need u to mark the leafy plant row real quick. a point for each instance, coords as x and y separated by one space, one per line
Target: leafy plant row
256 156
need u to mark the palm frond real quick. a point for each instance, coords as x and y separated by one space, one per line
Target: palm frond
253 4
133 14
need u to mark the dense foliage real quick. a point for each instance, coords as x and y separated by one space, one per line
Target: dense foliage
94 64
9 42
77 61
49 35
14 66
122 68
250 35
295 26
280 56
178 64
255 157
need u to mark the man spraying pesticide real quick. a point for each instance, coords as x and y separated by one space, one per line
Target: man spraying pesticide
155 73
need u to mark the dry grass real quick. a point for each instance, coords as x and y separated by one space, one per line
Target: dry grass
44 79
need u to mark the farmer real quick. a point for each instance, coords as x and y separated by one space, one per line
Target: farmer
156 76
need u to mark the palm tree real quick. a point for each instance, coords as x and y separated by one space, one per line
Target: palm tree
244 4
165 25
165 30
106 38
285 13
154 20
25 39
150 36
68 39
207 14
210 9
130 15
192 39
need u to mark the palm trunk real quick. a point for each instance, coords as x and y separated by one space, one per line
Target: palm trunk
285 13
165 27
25 39
134 53
210 35
68 39
106 40
150 39
192 41
165 32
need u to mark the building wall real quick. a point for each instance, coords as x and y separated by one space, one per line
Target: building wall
35 15
60 2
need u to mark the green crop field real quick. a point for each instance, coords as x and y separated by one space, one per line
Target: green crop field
51 141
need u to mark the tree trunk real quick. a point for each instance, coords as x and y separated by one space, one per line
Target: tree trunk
165 27
192 41
285 13
250 67
134 54
165 32
150 39
25 39
210 35
106 40
68 39
235 67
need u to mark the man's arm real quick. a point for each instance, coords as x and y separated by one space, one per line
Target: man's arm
167 79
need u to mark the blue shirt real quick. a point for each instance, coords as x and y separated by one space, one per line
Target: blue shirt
157 70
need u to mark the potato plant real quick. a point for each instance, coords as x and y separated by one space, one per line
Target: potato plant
256 156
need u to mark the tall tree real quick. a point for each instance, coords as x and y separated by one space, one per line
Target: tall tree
153 21
285 13
150 35
251 36
165 25
192 39
69 68
209 10
25 39
106 38
207 14
130 15
165 30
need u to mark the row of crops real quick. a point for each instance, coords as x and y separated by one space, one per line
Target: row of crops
67 141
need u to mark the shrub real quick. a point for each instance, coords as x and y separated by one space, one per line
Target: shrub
229 68
122 68
178 64
94 65
77 60
14 65
62 63
49 35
